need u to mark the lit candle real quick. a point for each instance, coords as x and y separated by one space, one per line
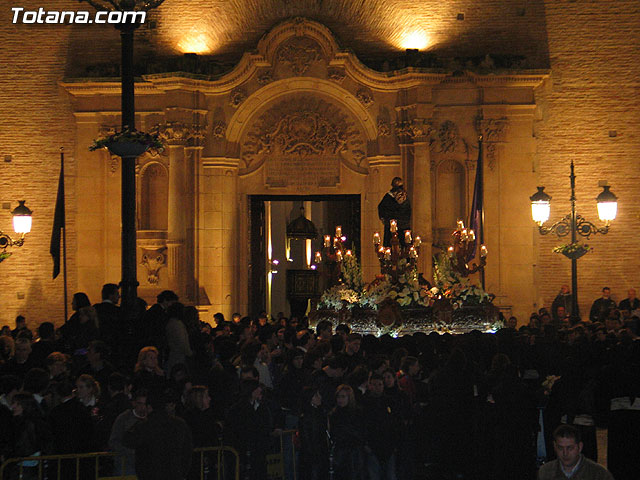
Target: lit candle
407 236
387 254
393 226
339 255
318 257
343 238
464 235
472 235
460 224
381 250
483 251
327 241
376 238
413 253
348 253
450 250
418 242
339 231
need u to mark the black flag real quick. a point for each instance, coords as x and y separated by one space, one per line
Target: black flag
58 221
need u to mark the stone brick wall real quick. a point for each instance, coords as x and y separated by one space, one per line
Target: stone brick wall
588 111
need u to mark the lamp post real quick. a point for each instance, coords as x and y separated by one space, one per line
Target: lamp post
21 226
575 225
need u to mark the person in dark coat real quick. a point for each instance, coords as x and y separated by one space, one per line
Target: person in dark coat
347 436
395 206
163 444
110 321
314 452
601 306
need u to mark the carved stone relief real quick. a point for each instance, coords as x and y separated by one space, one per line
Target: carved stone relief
336 74
494 132
384 129
303 139
365 96
448 137
237 97
178 133
218 129
298 54
154 260
266 77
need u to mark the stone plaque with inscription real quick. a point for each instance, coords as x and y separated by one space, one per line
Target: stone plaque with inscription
302 171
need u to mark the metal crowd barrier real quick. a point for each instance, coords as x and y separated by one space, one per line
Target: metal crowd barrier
212 461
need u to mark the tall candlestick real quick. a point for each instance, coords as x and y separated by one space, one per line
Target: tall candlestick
339 231
339 255
483 251
418 241
472 235
460 224
376 238
327 241
393 226
407 236
387 254
413 253
318 257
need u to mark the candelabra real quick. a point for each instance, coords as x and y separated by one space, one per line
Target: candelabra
333 253
399 258
462 249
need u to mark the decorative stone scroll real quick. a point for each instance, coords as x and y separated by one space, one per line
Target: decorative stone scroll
365 96
154 260
178 133
302 141
237 97
494 132
218 129
336 74
448 137
299 53
266 77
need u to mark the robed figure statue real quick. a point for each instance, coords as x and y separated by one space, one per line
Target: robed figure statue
395 206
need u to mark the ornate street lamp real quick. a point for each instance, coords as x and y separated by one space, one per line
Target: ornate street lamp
575 225
21 226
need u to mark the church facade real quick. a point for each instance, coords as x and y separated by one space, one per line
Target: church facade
301 117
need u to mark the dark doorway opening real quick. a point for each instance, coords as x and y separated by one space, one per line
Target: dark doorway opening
327 211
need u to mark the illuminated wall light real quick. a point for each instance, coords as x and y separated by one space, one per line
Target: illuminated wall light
416 38
194 43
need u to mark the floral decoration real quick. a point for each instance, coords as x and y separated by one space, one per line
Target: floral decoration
452 286
151 140
572 249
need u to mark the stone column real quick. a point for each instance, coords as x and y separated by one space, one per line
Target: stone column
422 223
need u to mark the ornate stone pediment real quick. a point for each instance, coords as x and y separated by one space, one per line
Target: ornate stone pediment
299 54
154 260
494 132
178 133
310 133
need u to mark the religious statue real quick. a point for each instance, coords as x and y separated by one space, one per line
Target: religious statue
395 206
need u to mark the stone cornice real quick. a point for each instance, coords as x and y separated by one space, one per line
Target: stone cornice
220 162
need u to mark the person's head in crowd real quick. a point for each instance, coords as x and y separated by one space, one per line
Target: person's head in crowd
568 446
36 381
166 298
612 322
179 372
379 363
249 372
46 331
376 385
280 332
218 318
336 366
21 322
87 390
117 383
5 331
191 318
389 379
9 386
97 353
606 292
545 319
543 311
310 397
345 398
411 366
80 300
512 322
263 319
534 321
23 404
7 348
249 352
304 339
564 290
235 318
139 403
296 359
561 312
110 293
267 335
352 344
359 377
313 359
324 330
198 398
176 311
205 328
148 361
58 364
343 330
88 315
23 350
251 391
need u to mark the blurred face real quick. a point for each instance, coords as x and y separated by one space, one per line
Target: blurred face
564 289
83 390
354 346
606 293
256 395
389 379
150 360
16 409
342 398
57 368
140 406
22 351
631 294
512 322
297 362
414 369
376 387
568 451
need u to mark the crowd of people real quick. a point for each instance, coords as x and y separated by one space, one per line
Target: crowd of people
473 406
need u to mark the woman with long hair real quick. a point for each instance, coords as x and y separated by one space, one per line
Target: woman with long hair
33 435
347 436
147 372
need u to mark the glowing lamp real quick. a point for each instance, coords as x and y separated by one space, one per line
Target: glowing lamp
540 206
607 205
21 218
